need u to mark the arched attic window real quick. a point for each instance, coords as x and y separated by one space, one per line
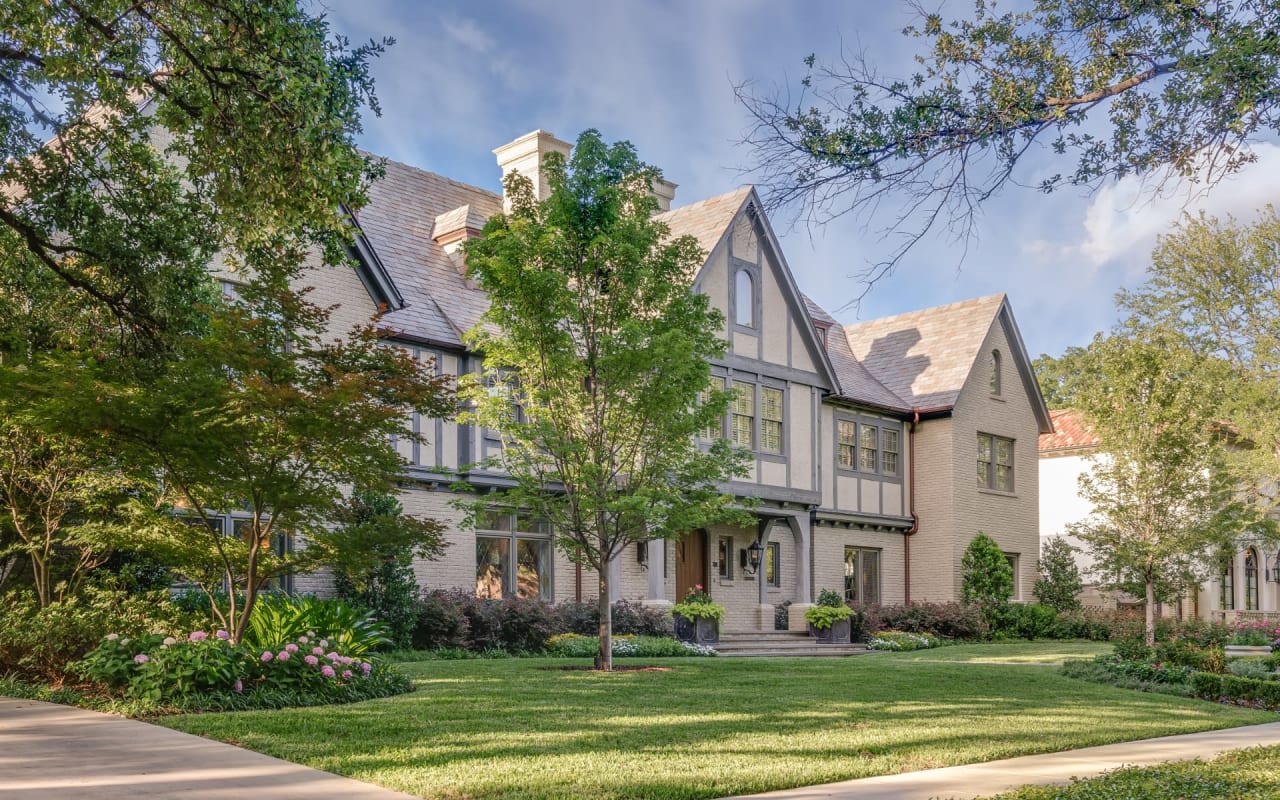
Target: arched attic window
744 299
995 373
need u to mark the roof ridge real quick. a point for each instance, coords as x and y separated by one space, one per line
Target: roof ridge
422 171
972 301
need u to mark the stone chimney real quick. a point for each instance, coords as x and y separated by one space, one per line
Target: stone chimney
524 155
664 192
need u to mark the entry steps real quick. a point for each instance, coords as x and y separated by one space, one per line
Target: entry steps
788 644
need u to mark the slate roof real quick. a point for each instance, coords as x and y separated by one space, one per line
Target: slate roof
856 383
1069 433
924 357
706 220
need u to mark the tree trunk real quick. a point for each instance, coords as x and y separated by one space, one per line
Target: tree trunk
604 656
1150 633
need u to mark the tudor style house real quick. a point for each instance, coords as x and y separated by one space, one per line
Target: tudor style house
866 438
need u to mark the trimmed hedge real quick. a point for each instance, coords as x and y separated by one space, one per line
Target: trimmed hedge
1235 689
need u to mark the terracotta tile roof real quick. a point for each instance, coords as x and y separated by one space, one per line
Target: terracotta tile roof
925 356
706 220
398 221
856 383
1069 432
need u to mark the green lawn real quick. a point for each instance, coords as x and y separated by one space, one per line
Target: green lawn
709 727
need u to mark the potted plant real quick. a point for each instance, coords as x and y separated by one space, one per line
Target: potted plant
829 618
1251 639
698 617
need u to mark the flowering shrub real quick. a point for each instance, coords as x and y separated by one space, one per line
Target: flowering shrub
697 604
174 670
1257 634
901 640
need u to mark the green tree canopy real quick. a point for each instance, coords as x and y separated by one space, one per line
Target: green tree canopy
986 575
596 354
1059 584
1173 89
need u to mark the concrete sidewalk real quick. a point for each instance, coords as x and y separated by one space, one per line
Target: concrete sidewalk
993 777
49 752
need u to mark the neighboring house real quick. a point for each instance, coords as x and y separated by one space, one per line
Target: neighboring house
865 438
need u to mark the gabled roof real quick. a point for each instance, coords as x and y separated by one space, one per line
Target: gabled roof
1070 433
926 356
706 220
439 306
856 384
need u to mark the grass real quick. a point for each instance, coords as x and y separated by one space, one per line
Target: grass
1044 653
1251 774
709 727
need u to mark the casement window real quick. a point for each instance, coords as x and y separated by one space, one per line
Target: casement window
773 564
513 557
1251 580
996 377
995 463
846 443
1227 588
742 416
889 454
724 557
861 575
770 419
868 448
715 430
863 447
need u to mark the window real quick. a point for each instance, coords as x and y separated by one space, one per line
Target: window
1251 580
724 557
861 575
1012 558
513 557
889 454
773 564
1227 591
846 442
716 429
742 418
770 419
995 373
868 446
744 299
995 463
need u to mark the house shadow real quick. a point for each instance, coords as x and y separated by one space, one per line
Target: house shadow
888 361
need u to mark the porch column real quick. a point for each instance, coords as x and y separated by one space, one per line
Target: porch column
657 565
802 535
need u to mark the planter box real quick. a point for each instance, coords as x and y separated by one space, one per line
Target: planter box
699 631
1247 650
838 633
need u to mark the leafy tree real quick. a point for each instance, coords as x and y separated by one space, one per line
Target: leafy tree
1113 89
388 589
1213 284
138 139
596 352
1058 376
986 575
266 414
1164 509
1059 584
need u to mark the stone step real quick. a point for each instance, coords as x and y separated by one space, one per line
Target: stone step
782 644
835 651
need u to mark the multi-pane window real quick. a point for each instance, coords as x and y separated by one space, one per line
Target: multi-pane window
773 564
861 575
513 557
1227 591
1250 580
889 452
716 429
846 442
770 419
995 462
724 557
868 448
742 417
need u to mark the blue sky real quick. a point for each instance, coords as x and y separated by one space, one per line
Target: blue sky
466 77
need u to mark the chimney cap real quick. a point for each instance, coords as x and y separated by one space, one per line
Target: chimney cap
538 141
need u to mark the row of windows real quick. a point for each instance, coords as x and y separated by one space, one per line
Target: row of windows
743 417
1227 583
867 448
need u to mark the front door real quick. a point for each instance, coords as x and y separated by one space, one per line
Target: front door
691 562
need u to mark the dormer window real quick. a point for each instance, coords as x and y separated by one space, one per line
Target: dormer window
821 331
744 299
995 373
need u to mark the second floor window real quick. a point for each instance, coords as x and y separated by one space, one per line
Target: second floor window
742 416
770 419
995 463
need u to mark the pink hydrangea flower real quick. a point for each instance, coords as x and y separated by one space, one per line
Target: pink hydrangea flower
283 655
317 651
141 658
266 656
327 671
111 637
291 647
324 642
346 674
223 635
197 636
331 656
366 666
238 686
302 640
168 640
311 660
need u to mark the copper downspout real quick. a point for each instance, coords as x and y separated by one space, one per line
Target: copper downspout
911 503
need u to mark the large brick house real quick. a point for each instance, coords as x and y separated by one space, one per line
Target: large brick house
866 438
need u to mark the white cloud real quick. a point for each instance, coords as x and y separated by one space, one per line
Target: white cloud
467 33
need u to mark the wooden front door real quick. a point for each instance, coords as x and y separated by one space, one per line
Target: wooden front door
691 562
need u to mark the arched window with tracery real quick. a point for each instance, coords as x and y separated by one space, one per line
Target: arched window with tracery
1251 580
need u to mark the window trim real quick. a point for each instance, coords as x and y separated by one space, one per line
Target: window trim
881 426
773 554
996 381
1227 586
1251 583
781 421
724 558
514 536
990 481
858 551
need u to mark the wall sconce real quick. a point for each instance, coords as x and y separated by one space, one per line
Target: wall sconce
751 558
642 554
